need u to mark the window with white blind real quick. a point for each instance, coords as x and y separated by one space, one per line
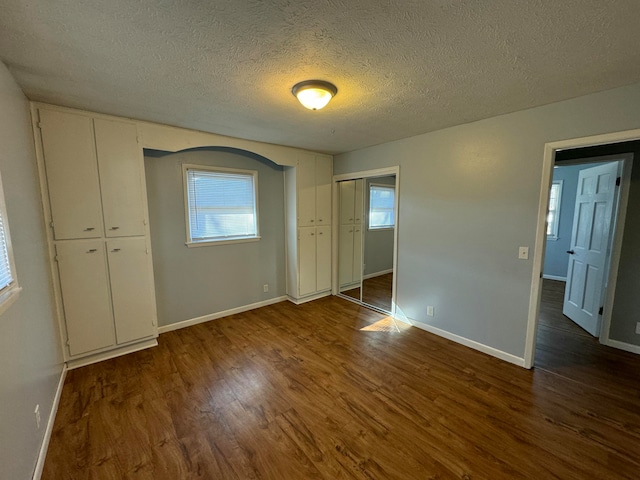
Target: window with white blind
553 217
220 204
8 281
381 206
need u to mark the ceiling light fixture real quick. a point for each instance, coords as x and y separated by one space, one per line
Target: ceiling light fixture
314 94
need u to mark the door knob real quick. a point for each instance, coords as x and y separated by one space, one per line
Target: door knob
570 252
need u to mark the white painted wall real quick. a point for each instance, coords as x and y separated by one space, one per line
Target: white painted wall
468 199
30 352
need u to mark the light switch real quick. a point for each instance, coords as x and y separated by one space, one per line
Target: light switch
523 253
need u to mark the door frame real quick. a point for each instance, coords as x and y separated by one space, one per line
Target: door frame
550 150
379 172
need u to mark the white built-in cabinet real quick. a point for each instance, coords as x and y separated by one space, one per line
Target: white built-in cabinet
308 197
92 175
350 234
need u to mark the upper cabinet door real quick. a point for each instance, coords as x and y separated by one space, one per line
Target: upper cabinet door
72 174
358 207
306 180
347 202
324 170
120 165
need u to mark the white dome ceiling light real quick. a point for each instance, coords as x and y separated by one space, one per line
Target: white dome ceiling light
314 94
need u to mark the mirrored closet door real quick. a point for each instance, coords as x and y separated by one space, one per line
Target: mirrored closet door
366 238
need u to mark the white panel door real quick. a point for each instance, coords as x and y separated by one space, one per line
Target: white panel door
131 289
347 201
357 253
307 260
589 246
323 258
306 187
121 177
72 174
345 255
82 267
358 204
324 170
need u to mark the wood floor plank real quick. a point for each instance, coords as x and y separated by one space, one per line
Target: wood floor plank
302 392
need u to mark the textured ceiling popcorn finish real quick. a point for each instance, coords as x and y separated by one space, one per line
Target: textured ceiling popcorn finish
401 67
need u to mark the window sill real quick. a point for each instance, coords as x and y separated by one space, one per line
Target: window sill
551 237
8 298
380 229
210 243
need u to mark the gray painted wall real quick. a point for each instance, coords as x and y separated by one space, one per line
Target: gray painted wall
192 282
469 198
378 244
30 351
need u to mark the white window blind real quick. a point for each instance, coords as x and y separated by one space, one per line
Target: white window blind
6 275
553 217
381 206
221 204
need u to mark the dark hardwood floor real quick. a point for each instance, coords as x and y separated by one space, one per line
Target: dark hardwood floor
302 392
377 291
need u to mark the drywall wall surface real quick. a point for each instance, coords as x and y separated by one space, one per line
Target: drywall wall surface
468 199
626 304
556 258
30 352
193 282
378 244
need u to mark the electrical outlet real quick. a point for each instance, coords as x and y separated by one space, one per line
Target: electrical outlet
638 328
430 311
523 253
36 412
265 287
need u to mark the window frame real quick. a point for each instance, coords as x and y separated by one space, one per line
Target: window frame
221 240
9 294
556 217
379 229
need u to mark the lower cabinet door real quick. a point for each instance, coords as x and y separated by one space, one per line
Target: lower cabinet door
131 289
323 258
307 260
345 255
84 282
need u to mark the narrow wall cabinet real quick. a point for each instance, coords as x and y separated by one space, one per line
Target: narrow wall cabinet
308 197
92 176
350 234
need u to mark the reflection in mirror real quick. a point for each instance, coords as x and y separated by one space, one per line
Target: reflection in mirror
378 226
350 238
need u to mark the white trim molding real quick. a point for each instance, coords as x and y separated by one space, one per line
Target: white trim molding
310 298
107 354
494 352
42 455
554 277
627 347
213 316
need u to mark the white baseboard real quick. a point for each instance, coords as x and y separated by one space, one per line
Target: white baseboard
627 347
310 298
99 357
42 455
213 316
554 277
377 274
494 352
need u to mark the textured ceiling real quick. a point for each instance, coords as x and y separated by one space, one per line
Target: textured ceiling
401 67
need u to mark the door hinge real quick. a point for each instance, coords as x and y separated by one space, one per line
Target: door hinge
601 311
618 181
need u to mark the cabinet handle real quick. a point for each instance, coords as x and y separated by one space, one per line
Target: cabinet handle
312 234
92 250
114 228
115 250
320 233
351 219
357 231
319 219
88 229
311 221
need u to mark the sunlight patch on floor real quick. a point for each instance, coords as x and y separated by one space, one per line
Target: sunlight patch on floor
387 324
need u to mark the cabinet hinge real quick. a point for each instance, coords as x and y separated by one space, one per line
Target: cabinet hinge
68 343
51 223
39 125
601 311
618 181
56 259
147 250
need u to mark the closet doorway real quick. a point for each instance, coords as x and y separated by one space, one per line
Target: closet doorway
365 237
